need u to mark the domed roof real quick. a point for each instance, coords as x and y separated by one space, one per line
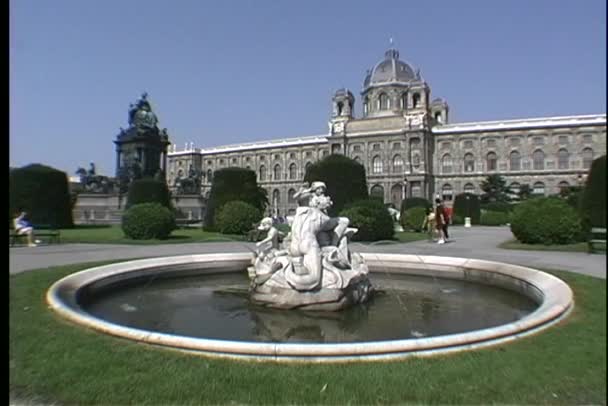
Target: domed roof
391 69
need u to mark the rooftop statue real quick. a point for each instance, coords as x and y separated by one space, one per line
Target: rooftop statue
314 269
141 115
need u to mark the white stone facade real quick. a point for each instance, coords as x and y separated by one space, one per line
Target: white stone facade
403 135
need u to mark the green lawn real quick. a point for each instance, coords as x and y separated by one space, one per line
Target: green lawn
516 245
52 360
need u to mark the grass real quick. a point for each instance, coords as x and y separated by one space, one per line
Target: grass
52 360
516 245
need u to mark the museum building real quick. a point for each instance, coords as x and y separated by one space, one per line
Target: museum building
408 146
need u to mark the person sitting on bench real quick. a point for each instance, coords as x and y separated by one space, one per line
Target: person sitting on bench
23 227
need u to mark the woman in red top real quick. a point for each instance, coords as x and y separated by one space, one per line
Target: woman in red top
440 220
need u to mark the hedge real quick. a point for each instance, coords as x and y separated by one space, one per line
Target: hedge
43 192
237 217
494 218
148 190
546 220
147 221
344 178
413 218
371 218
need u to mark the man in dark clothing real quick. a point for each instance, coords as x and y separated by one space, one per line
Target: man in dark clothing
447 215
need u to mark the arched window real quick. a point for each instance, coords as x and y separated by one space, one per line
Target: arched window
515 161
262 173
403 101
538 159
587 158
377 192
469 188
446 164
209 175
340 107
563 186
277 172
290 194
293 171
416 100
377 164
397 164
180 173
469 163
538 188
383 102
447 192
438 117
416 160
563 159
491 161
365 106
276 197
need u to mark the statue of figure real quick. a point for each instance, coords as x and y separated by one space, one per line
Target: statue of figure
91 169
314 269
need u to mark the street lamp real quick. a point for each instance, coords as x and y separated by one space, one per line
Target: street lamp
403 189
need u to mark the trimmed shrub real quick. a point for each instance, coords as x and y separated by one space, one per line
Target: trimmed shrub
457 220
237 217
593 202
464 207
148 190
411 202
371 218
545 220
43 192
413 218
494 218
502 207
148 221
232 184
344 178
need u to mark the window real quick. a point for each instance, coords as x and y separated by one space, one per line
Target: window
563 186
538 160
276 197
416 160
403 101
293 171
446 164
538 188
221 162
277 172
262 158
292 155
397 145
308 154
376 147
325 152
416 100
515 161
262 173
538 141
277 157
365 106
562 139
290 194
468 144
446 145
208 163
469 163
180 173
588 138
491 161
563 159
247 159
377 165
587 158
491 143
397 164
469 188
438 117
336 148
447 192
383 102
416 190
415 143
377 192
357 148
234 160
514 141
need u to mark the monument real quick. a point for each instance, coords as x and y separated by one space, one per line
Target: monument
314 269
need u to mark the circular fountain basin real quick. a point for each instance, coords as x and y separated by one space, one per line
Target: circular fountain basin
551 300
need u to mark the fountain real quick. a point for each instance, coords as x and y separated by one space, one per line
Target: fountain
312 299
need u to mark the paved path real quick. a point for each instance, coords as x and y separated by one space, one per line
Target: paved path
476 242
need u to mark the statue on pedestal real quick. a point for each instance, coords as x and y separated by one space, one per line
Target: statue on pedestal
314 270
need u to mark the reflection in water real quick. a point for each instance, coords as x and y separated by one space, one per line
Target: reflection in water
217 306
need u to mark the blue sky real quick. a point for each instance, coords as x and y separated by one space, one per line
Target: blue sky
226 72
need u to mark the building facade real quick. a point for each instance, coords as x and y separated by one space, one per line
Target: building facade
409 148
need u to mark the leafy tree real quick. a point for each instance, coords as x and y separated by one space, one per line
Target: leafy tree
495 189
231 184
467 205
344 178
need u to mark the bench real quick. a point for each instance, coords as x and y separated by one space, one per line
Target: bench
597 236
51 234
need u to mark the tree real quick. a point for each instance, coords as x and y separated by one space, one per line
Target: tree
344 178
593 203
148 190
230 184
43 192
495 189
525 192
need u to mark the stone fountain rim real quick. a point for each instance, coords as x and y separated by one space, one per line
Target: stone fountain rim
557 302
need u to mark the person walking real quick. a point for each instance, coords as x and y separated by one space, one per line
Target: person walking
439 220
